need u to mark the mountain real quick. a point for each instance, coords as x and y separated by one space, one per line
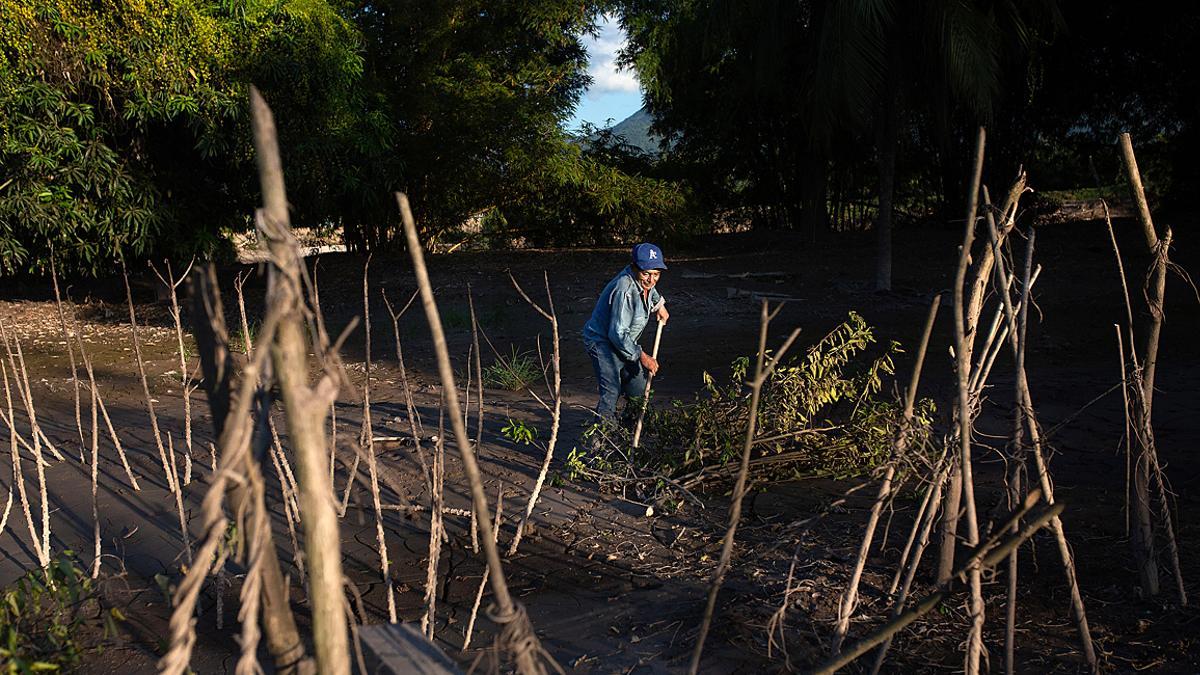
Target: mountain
635 129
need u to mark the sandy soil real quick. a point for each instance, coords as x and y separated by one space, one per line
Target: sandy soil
609 589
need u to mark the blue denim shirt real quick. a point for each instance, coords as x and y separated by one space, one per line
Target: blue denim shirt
621 314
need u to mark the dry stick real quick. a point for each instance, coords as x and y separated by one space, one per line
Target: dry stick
368 443
484 579
21 440
239 283
1160 482
305 406
333 445
556 417
478 373
19 477
945 465
217 364
1035 437
479 420
1128 412
637 429
251 592
235 429
467 389
1112 237
987 348
918 518
1143 532
112 432
985 555
953 496
184 381
850 596
286 478
1018 459
283 470
37 432
995 344
291 509
1149 467
962 370
24 443
517 635
1125 382
316 301
762 370
342 505
7 510
137 350
436 528
979 280
38 459
183 529
21 379
414 419
62 323
357 456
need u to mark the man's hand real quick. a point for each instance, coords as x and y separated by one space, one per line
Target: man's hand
650 363
663 314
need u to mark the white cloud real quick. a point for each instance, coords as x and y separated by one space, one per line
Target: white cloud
602 60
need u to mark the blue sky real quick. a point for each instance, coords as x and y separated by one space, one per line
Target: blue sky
614 94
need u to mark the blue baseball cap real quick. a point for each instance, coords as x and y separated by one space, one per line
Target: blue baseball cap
647 256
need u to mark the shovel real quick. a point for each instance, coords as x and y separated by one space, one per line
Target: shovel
637 430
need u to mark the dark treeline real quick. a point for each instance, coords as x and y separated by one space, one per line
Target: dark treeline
810 114
123 126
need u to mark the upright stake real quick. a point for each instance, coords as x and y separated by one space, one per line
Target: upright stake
955 493
963 363
112 432
368 442
172 485
429 619
556 414
1148 468
518 634
62 322
411 409
1035 437
19 477
95 505
1017 459
185 383
305 406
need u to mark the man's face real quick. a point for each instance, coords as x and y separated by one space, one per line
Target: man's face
647 278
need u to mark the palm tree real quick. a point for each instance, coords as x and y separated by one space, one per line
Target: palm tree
881 62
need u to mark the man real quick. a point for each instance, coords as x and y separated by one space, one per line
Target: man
611 334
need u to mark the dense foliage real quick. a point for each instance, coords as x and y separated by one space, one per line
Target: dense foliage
123 123
776 100
44 614
125 132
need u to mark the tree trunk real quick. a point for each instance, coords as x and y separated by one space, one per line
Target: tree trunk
888 143
1142 538
814 214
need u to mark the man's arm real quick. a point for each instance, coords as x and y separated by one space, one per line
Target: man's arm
659 306
619 321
